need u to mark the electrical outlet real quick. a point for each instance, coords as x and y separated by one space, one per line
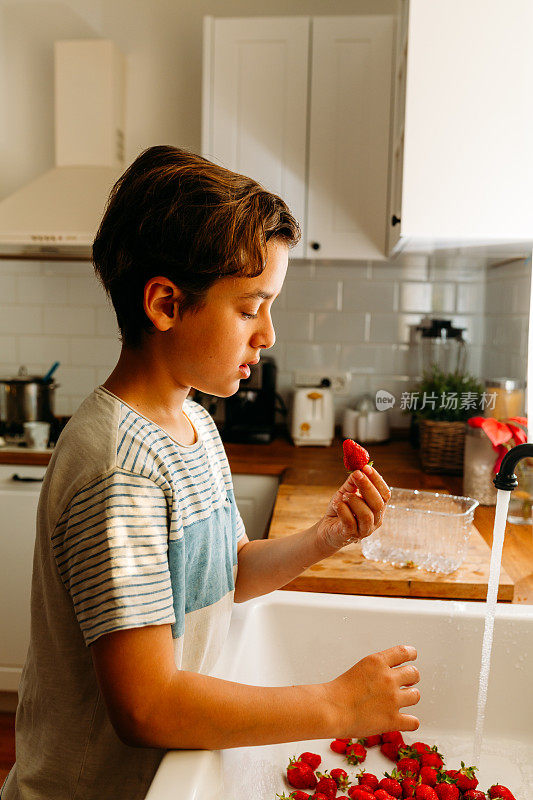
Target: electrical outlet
339 381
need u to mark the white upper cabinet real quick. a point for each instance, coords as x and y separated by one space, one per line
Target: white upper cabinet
461 144
254 115
312 128
349 136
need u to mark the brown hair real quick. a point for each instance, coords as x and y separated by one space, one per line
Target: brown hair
177 214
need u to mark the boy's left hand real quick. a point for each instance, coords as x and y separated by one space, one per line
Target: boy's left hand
355 510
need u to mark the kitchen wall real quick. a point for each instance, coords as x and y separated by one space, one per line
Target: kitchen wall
353 316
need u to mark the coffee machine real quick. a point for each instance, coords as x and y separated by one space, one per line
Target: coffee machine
250 412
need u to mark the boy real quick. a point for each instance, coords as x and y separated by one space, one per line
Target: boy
140 549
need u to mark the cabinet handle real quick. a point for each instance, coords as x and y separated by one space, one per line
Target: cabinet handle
395 220
315 245
26 479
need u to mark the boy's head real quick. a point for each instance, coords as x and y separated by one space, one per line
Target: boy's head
176 214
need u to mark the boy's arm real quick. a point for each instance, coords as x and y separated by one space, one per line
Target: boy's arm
153 704
355 511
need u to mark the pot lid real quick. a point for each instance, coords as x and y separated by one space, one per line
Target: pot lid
23 377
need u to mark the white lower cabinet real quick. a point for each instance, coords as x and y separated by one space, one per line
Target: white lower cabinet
18 513
255 496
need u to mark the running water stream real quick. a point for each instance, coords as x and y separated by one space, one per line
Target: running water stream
500 519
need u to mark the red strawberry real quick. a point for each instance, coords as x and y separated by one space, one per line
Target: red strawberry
381 794
431 759
428 775
391 785
447 791
360 793
339 745
312 759
420 747
474 794
393 736
408 787
367 779
297 795
464 777
408 765
343 797
355 753
424 792
340 777
370 741
499 791
354 456
319 796
327 785
390 749
300 775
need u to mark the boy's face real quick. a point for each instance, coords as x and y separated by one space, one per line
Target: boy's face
212 346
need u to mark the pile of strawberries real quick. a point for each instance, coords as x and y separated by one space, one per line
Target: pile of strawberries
419 773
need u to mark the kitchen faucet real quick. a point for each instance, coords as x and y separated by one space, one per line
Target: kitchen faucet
506 479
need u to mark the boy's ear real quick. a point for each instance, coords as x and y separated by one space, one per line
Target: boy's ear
160 302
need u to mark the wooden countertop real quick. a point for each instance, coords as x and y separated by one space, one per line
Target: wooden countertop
399 463
396 460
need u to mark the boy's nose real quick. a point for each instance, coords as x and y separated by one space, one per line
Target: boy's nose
266 336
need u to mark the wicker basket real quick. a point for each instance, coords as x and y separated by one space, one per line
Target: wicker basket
442 446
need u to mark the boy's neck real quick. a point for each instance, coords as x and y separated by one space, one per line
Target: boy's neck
150 393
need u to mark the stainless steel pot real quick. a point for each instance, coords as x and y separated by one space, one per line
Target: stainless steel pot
26 398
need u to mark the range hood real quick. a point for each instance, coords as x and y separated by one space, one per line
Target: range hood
57 214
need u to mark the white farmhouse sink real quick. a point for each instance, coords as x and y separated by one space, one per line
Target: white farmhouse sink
298 637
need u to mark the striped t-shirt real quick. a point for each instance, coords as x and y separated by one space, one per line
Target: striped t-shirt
133 529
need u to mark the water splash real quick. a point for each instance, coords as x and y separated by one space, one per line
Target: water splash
500 519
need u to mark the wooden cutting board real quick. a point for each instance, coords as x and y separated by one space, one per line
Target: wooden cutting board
349 572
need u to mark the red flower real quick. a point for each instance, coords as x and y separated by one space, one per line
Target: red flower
502 435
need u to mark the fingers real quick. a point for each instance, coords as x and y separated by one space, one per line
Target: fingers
409 697
378 481
356 508
397 655
407 675
408 723
369 492
353 531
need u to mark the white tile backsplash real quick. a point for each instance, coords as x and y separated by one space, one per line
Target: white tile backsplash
354 316
312 295
19 319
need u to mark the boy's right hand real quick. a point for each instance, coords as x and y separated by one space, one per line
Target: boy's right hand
366 699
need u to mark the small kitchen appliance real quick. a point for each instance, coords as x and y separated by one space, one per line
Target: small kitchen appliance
250 412
313 415
440 344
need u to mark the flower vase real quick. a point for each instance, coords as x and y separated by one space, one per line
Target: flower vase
478 467
521 500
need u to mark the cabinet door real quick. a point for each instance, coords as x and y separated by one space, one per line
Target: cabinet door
254 116
349 136
18 507
255 496
468 159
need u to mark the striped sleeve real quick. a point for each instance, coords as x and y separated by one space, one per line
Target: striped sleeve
110 546
240 532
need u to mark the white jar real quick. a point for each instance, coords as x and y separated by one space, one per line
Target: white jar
478 463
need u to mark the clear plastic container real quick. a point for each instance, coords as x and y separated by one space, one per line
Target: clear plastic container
427 530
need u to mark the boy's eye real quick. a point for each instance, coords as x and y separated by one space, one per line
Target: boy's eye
248 316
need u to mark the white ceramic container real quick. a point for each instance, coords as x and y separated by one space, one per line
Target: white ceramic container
298 637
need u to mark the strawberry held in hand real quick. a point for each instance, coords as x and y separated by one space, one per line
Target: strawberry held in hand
355 456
